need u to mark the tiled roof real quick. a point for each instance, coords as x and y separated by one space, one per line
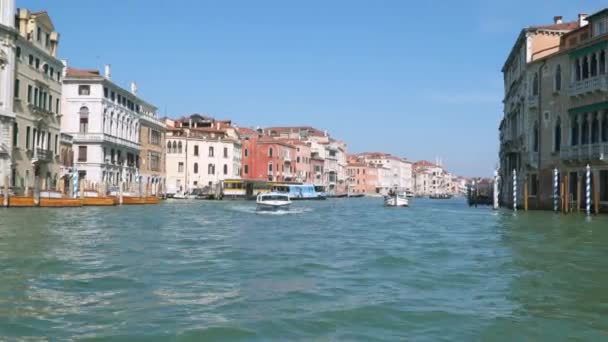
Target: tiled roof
572 25
73 72
424 163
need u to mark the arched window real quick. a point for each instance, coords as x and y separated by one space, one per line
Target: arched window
246 152
585 74
210 151
174 147
558 78
535 84
225 169
585 129
168 147
557 139
593 65
211 169
535 137
179 147
270 152
84 119
595 130
195 167
574 132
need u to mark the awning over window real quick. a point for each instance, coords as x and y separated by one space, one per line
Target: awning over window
588 50
589 108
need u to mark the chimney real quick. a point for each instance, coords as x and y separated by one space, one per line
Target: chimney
134 88
582 19
65 68
558 19
108 71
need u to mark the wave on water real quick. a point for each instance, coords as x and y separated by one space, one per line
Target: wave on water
251 209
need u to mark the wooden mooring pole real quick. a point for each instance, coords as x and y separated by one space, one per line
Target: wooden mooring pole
562 197
596 197
5 198
567 194
578 193
526 194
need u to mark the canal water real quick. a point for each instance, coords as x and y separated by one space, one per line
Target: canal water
336 270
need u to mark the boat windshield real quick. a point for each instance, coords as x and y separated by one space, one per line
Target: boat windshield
274 198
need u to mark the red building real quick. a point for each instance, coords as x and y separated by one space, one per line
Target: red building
265 158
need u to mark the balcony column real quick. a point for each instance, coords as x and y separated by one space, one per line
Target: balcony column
605 61
597 63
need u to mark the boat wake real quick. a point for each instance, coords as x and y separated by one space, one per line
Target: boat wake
253 210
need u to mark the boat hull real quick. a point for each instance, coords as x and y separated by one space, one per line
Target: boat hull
396 202
60 202
20 201
99 201
140 200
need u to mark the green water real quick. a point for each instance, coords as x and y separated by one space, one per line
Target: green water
336 270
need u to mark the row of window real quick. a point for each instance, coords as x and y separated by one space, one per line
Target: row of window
557 81
119 99
34 62
583 136
121 127
210 168
35 138
304 160
176 147
39 97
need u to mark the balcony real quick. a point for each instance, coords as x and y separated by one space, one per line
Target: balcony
585 153
42 156
37 110
102 137
533 101
588 86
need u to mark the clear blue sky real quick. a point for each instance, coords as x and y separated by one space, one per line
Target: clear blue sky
414 78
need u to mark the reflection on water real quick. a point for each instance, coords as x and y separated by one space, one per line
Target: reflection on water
344 269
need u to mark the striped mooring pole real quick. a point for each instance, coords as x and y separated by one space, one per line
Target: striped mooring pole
588 191
555 190
514 190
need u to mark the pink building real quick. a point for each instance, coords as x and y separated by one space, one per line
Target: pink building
362 177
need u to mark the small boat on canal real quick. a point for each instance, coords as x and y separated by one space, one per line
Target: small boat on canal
273 201
396 200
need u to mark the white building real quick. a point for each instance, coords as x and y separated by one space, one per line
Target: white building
201 152
7 81
104 120
432 179
30 89
393 173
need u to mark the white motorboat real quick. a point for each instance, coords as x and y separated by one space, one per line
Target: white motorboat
396 200
272 201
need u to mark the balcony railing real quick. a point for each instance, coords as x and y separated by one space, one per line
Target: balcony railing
587 152
102 137
590 85
41 155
